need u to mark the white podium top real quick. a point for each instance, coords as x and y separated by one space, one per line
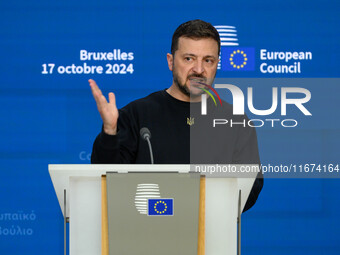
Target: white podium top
61 174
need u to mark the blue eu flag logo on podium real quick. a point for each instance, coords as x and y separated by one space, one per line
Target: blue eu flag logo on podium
238 59
161 207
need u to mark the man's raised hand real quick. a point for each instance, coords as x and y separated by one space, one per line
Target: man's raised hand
107 110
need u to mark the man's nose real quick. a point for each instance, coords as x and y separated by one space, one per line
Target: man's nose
198 67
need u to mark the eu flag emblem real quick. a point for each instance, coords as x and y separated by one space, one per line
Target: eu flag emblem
161 207
238 59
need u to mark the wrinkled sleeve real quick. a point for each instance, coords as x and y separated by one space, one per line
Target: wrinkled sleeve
120 148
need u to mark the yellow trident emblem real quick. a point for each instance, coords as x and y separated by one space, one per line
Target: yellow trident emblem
190 121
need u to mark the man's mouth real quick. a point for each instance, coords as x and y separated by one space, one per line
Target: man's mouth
197 82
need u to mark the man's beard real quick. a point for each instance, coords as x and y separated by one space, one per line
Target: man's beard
197 80
183 87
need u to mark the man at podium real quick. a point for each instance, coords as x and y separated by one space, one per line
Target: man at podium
172 117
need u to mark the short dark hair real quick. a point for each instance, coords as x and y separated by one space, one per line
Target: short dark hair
195 29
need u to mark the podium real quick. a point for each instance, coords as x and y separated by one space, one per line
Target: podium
78 189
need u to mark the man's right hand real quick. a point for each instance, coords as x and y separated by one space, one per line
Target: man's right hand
108 110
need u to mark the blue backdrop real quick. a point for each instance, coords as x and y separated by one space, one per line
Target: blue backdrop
49 116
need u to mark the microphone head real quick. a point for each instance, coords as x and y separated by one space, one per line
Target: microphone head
145 133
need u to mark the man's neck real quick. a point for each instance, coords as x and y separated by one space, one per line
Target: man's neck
179 95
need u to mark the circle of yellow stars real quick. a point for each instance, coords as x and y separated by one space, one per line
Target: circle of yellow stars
165 207
235 52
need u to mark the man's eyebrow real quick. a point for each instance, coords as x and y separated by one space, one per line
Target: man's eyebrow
210 56
193 55
189 54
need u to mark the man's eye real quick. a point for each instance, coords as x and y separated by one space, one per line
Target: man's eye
209 61
188 58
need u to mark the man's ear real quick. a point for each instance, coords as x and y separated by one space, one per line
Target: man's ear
170 59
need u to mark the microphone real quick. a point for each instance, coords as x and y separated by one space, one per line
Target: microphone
146 135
